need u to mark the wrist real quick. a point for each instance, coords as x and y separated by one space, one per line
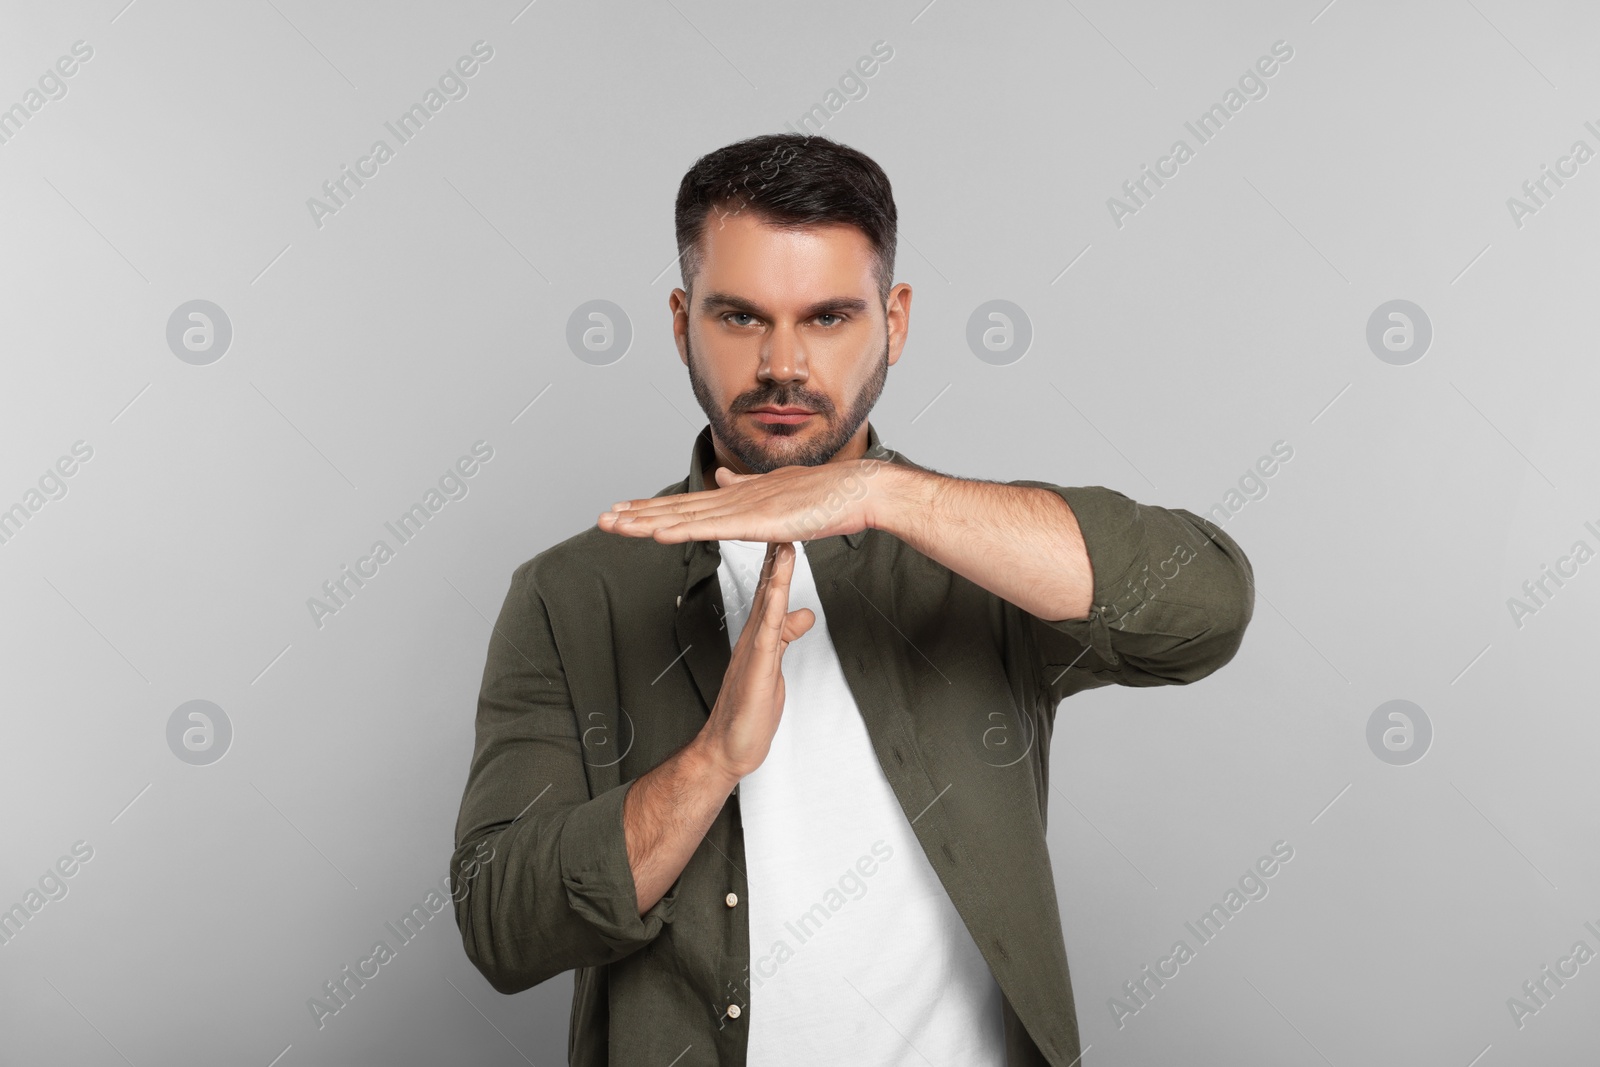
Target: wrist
900 498
704 765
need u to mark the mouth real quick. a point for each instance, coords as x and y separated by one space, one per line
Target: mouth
780 416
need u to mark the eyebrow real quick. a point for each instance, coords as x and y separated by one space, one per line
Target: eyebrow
724 302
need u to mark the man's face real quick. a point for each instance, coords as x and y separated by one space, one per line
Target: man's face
787 319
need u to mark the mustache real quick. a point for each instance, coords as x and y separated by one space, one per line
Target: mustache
751 401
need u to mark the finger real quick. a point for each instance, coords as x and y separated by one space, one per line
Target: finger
728 476
660 501
797 623
702 502
769 572
758 602
701 529
674 498
776 605
675 528
673 512
643 523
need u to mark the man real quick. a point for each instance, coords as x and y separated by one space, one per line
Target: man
765 757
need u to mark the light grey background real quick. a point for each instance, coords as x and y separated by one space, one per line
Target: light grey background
1168 355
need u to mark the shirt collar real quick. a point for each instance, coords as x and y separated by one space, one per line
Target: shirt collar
704 451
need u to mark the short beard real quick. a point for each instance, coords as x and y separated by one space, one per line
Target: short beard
749 451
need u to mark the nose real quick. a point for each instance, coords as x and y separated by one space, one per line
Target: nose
783 357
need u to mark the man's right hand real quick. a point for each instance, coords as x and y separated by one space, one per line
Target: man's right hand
668 810
736 738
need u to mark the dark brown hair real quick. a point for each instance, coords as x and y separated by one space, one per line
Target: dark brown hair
788 179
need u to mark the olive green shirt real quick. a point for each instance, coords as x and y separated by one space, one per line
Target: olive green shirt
608 656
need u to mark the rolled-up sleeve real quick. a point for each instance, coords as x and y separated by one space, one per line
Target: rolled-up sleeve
1173 595
556 891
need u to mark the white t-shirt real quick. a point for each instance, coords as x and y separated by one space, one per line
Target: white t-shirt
857 954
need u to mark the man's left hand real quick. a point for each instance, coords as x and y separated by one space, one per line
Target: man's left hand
794 503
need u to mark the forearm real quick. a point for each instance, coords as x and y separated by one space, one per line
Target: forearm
1019 542
666 814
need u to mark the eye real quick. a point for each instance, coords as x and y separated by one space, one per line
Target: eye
830 315
737 315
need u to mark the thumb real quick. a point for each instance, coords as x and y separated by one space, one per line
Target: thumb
726 476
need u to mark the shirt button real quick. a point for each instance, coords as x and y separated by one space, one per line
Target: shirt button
733 1011
732 900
